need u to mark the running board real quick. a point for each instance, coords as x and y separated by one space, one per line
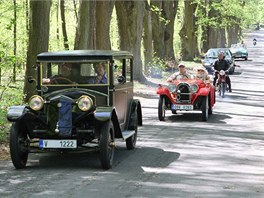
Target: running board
127 134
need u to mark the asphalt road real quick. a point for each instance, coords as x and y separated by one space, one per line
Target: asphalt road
180 157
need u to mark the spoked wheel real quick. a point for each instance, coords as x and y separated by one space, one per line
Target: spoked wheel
161 108
131 141
107 145
204 108
19 146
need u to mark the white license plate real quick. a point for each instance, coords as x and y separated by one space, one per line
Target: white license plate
57 143
183 107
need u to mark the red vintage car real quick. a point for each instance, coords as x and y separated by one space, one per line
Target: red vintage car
186 95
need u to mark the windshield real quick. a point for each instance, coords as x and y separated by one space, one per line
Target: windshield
65 73
214 53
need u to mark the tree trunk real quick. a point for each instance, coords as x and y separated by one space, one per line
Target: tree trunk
104 11
188 33
38 39
130 16
158 29
58 24
63 20
233 33
147 37
85 34
170 11
15 40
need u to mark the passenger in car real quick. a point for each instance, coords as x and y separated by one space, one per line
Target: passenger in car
181 74
202 74
101 77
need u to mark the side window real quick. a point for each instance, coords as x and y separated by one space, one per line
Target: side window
118 70
128 70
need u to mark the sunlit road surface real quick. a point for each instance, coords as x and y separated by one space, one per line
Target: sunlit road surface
180 157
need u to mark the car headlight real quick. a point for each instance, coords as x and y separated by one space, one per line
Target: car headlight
172 87
36 102
85 103
194 88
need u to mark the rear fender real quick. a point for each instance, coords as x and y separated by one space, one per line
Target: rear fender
135 106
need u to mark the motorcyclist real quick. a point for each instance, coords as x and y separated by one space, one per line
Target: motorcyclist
254 41
222 64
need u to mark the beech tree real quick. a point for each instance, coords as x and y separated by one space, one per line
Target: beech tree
130 16
188 32
38 39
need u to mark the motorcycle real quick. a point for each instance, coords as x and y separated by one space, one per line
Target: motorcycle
221 83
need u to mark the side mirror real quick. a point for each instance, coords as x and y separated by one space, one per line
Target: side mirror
31 79
121 79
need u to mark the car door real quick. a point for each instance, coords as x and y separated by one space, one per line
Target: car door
120 94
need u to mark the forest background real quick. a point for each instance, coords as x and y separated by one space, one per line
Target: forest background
159 33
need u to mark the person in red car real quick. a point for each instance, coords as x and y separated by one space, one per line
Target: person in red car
202 74
181 74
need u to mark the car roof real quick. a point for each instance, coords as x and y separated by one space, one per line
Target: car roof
219 49
82 55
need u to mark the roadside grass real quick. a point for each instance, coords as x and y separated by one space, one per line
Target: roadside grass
11 95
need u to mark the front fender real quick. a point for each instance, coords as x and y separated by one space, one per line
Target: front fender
16 112
164 91
204 91
104 114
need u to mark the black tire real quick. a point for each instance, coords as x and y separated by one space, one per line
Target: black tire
19 146
131 141
210 109
204 108
174 111
106 145
223 89
161 108
246 58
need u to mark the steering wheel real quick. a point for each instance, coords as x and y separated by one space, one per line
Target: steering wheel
61 80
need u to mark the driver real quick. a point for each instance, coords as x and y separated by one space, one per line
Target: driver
181 74
65 75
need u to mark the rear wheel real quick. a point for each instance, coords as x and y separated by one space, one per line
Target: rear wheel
107 145
131 141
161 108
19 146
204 108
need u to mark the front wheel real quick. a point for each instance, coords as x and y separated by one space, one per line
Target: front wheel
19 146
204 108
161 108
223 89
107 145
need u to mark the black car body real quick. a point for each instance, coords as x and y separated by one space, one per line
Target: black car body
239 51
212 55
76 114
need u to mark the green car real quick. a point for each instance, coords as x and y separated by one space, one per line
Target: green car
239 51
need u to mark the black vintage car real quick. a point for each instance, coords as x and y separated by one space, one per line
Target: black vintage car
84 101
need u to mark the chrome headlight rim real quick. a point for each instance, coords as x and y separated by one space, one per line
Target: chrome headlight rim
194 88
172 88
36 102
84 103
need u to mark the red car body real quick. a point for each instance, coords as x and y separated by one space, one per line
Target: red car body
186 95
